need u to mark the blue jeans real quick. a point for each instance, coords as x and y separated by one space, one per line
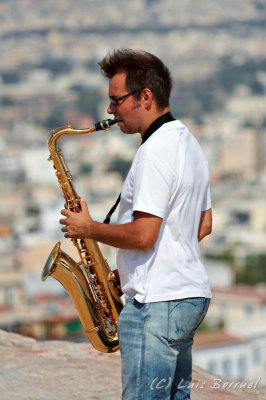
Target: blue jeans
155 342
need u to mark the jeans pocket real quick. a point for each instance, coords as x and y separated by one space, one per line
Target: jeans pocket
185 316
123 312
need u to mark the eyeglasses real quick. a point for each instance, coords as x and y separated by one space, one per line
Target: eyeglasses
115 100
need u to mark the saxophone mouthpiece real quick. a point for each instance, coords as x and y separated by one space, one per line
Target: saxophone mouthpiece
105 124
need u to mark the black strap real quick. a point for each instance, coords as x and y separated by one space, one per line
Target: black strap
156 125
152 128
112 210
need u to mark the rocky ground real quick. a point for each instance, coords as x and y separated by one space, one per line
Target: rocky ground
58 370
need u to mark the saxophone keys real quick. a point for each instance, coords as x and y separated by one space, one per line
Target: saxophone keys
111 277
95 329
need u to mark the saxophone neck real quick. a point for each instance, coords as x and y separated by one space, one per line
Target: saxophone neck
70 130
65 130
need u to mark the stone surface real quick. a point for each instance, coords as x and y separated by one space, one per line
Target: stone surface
58 370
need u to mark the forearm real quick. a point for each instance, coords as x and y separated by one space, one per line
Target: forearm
140 234
124 236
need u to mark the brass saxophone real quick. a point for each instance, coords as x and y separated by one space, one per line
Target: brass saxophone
90 283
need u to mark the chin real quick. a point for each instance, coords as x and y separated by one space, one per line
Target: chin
126 129
122 127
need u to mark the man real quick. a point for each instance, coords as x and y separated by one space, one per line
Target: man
165 210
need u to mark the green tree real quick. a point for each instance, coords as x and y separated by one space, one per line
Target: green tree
85 169
253 270
121 166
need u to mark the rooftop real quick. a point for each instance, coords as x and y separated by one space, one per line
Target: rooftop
215 338
253 293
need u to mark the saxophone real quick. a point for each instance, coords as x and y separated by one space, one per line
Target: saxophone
90 283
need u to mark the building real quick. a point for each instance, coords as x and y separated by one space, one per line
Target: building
239 358
241 308
237 351
11 289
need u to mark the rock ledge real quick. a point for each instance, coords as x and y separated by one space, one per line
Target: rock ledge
58 370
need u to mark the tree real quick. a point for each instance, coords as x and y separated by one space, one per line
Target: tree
121 166
253 270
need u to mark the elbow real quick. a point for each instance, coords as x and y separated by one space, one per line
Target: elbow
145 244
209 230
204 232
146 248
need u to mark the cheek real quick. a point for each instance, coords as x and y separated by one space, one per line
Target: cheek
136 106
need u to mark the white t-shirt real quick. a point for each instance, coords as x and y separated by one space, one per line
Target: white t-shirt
168 178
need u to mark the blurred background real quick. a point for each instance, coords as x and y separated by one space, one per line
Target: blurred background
49 77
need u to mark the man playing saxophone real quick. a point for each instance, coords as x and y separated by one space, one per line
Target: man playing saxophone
165 210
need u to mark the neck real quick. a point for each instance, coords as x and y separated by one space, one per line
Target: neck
150 118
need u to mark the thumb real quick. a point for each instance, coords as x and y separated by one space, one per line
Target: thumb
83 205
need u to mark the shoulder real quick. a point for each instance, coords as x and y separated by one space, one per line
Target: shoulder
164 141
171 130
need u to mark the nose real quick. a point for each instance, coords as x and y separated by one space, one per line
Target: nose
111 108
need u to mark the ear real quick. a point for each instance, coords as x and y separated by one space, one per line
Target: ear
147 97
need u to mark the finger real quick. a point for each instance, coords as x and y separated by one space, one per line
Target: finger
63 221
71 236
83 205
65 212
64 229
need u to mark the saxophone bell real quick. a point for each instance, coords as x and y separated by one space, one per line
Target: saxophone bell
50 264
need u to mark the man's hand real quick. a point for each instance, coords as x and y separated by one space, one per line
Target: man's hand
78 225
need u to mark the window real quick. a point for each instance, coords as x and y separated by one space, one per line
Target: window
242 366
211 366
9 298
248 310
241 218
223 309
256 355
226 365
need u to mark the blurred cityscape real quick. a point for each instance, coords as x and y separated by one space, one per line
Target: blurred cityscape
49 77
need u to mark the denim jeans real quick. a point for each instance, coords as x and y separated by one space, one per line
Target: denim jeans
155 342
